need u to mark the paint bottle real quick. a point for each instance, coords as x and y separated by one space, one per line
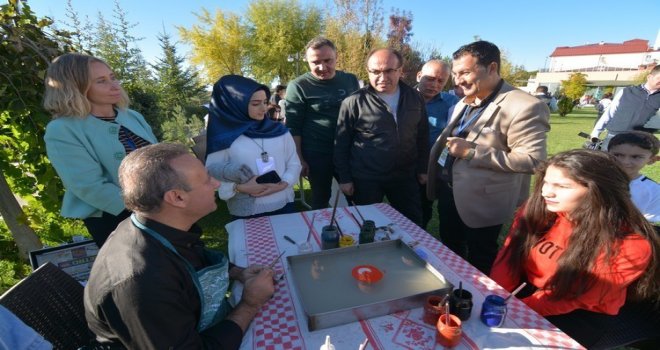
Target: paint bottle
329 237
367 232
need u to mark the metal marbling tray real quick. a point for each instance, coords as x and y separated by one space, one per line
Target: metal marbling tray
330 295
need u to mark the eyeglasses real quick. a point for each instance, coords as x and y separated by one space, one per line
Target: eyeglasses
388 71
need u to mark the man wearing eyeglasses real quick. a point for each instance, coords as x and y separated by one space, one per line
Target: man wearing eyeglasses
480 166
381 146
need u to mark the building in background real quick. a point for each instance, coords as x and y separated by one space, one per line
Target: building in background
605 64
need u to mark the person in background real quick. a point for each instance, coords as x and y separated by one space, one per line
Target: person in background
254 157
91 132
633 150
311 110
581 245
274 109
431 79
170 292
630 109
543 95
603 104
280 93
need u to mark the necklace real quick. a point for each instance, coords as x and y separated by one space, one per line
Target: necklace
264 154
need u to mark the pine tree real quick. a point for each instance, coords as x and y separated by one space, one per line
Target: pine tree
176 86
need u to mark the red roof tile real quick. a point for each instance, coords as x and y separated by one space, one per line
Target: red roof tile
630 46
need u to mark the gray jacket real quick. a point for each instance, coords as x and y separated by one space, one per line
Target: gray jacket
242 204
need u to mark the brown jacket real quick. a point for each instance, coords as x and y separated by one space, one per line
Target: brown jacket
510 138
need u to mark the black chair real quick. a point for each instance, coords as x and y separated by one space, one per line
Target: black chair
637 325
51 302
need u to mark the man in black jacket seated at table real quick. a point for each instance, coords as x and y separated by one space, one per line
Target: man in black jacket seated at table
146 284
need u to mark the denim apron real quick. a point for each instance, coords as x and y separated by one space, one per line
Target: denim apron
211 282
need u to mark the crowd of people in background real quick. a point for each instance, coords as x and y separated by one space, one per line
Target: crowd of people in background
472 149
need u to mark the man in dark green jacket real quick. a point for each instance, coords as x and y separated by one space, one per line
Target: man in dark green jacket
311 108
382 141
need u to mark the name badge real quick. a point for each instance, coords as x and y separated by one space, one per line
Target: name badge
264 167
442 160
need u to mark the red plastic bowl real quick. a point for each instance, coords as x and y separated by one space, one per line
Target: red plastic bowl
367 274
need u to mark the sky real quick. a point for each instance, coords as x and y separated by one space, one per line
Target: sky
528 31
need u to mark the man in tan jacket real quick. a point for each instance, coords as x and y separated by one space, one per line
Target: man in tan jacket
482 161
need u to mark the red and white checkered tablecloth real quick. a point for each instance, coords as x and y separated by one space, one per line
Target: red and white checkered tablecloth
281 324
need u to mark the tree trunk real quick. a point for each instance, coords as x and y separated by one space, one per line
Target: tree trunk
26 239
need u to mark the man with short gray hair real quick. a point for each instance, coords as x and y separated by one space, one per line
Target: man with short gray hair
145 288
431 79
311 109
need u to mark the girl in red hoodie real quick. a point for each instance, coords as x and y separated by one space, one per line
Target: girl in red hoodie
581 245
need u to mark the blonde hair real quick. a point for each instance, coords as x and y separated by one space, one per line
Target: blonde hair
67 82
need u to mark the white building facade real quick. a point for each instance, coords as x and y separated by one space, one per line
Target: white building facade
605 64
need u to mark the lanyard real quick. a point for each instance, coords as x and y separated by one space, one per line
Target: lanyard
464 124
211 282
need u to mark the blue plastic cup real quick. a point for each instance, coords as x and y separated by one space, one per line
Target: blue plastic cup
493 311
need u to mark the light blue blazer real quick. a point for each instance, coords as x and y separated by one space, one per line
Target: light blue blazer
86 154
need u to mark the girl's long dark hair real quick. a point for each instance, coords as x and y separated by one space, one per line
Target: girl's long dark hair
605 215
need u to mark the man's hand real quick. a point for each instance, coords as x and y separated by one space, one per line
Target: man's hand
258 289
458 147
422 178
250 272
304 171
347 188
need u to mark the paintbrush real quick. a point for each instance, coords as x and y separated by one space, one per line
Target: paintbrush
355 219
520 287
311 227
272 264
358 211
334 208
341 234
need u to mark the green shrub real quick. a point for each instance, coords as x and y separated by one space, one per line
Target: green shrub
565 106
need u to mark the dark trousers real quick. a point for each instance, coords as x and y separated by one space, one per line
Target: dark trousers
476 245
321 171
427 206
101 228
401 192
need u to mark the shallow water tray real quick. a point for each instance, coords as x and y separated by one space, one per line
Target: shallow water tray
331 296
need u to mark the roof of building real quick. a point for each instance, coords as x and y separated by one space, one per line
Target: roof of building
629 46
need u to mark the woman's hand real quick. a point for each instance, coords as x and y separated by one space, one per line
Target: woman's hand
252 187
273 188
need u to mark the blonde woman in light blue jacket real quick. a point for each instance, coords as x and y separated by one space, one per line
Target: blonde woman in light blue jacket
91 132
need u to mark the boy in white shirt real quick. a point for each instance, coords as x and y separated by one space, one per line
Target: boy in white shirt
633 150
